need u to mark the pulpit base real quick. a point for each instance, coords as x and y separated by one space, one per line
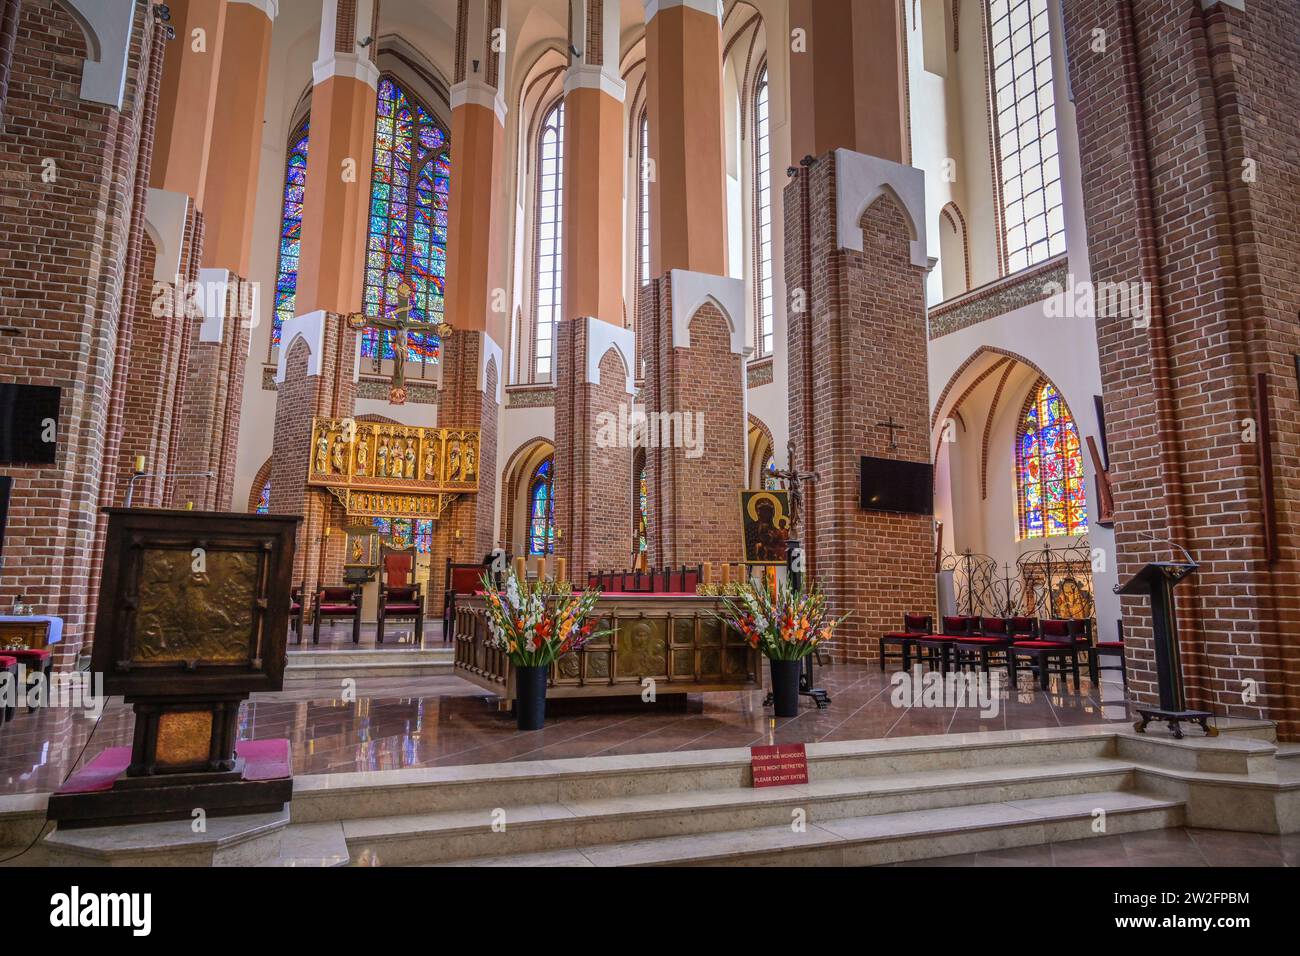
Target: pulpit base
102 794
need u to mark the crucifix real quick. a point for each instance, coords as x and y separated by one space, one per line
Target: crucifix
401 325
794 479
893 445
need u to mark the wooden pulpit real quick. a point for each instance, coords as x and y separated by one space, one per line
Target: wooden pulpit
1158 581
193 617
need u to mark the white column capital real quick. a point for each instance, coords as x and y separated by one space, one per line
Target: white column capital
311 329
652 7
583 76
478 93
603 336
270 7
351 65
691 290
860 180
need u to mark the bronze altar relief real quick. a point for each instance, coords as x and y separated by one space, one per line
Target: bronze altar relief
186 614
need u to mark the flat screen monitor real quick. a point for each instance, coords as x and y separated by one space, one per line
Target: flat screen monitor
901 486
29 418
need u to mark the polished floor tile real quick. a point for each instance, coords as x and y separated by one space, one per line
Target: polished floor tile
397 722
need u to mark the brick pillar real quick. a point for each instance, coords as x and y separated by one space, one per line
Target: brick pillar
314 379
697 416
857 357
595 365
1189 168
471 399
593 463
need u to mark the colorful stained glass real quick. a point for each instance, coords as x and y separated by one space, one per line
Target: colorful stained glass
264 505
403 531
286 276
1049 468
541 510
407 238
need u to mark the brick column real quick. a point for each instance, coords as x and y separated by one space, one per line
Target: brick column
858 357
317 371
595 365
472 366
1189 168
694 331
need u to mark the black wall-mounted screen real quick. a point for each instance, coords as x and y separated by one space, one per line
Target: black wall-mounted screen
29 416
889 485
6 483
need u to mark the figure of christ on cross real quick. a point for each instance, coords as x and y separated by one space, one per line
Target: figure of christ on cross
794 479
401 325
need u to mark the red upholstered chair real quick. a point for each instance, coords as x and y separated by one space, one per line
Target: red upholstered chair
37 660
459 579
915 626
296 608
939 647
9 667
992 637
401 603
1055 648
1114 648
335 603
1023 627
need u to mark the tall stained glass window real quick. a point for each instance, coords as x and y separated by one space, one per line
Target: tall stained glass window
550 236
643 199
264 504
1030 173
643 511
763 209
541 509
407 236
404 531
1049 468
286 275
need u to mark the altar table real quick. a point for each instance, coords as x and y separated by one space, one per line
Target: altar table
33 631
674 639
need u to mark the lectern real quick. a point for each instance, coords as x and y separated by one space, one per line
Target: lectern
1157 581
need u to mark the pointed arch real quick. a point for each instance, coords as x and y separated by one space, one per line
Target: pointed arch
1051 494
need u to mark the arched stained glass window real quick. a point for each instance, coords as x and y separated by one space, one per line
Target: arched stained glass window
549 237
286 275
763 211
541 509
1049 468
264 505
643 511
407 236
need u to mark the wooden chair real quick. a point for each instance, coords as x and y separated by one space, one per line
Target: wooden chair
338 602
400 603
38 661
296 610
459 579
1108 647
939 647
1055 650
915 626
994 637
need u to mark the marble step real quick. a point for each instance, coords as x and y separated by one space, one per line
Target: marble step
1289 752
369 662
511 829
880 838
349 796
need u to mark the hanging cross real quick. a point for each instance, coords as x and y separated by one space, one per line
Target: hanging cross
892 428
401 325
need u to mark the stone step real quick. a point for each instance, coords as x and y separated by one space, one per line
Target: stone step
511 829
350 796
879 838
369 663
1288 752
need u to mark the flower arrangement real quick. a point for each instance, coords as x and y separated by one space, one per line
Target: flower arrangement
785 624
534 624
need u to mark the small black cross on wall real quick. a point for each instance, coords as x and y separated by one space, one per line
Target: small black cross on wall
892 428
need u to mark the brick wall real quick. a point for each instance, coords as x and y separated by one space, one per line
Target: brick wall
857 357
592 507
63 266
1168 118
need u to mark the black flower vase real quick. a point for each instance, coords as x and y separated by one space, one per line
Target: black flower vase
530 696
785 687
